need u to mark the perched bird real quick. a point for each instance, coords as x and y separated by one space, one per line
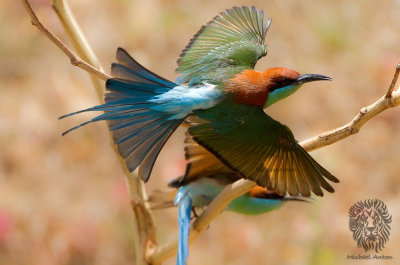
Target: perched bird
219 86
205 178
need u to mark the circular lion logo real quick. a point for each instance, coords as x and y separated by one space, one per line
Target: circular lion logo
369 222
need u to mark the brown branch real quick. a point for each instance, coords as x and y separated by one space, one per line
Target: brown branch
354 125
79 42
242 186
143 221
75 60
394 81
144 225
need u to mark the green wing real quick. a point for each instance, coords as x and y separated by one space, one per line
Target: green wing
260 149
228 44
203 164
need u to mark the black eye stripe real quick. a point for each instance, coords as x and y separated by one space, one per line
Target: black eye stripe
279 83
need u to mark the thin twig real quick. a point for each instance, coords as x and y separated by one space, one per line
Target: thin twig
75 60
394 81
242 186
79 42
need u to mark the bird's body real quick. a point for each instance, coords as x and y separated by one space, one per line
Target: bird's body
232 138
204 179
203 191
217 84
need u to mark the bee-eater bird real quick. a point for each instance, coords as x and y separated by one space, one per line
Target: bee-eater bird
204 179
218 85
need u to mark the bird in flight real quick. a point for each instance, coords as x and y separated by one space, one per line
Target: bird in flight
219 88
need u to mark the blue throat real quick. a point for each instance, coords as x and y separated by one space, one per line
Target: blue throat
280 94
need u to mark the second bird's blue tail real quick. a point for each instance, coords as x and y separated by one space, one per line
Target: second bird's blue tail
138 130
184 211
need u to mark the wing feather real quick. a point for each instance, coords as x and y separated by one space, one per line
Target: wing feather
261 149
231 42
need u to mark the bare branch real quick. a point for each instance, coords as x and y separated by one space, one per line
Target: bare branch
144 220
354 125
79 42
75 60
144 225
242 186
394 81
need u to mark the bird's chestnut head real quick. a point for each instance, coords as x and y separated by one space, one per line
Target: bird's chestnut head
282 82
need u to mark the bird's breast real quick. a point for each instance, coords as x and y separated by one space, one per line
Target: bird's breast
248 88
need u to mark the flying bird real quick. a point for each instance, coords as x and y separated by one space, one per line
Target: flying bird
205 178
218 86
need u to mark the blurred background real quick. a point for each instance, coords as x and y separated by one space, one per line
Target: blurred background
63 200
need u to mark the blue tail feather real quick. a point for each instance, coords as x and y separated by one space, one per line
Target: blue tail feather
127 144
138 130
137 156
127 86
125 59
110 107
148 162
140 77
118 113
184 212
131 121
96 108
116 95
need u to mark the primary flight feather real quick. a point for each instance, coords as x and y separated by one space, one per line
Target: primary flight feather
204 179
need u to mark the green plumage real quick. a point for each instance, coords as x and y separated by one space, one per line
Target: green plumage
228 44
243 137
261 149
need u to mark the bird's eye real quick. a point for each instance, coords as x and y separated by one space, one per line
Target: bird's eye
284 82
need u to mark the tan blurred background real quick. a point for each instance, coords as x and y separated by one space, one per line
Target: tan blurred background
63 199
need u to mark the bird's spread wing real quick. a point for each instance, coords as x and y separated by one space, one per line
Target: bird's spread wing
202 164
260 149
229 43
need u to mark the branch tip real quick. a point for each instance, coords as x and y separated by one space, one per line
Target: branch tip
394 81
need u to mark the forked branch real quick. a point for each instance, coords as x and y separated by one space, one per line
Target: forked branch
143 221
75 60
156 254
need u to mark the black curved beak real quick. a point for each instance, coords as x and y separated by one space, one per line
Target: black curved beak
312 77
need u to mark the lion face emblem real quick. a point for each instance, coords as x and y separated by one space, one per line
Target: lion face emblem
369 222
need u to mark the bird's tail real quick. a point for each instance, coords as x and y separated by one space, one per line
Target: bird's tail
138 130
184 211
